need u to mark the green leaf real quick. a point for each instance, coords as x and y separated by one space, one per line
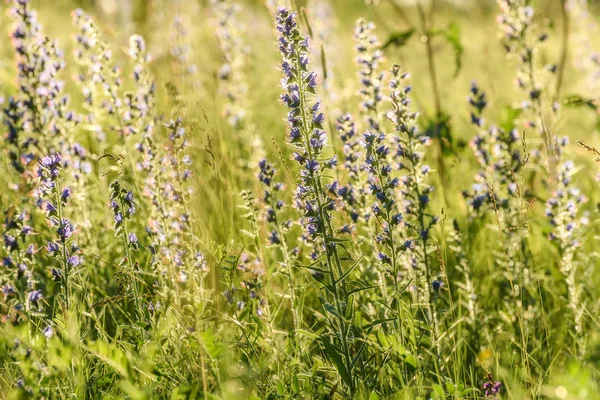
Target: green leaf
112 356
361 289
307 333
383 340
452 35
508 116
575 100
378 322
334 355
308 27
398 39
438 391
347 272
247 233
331 309
324 64
323 271
331 239
410 360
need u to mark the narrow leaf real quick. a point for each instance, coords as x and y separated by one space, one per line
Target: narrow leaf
347 272
398 39
334 355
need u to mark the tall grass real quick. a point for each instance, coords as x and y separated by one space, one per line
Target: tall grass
282 200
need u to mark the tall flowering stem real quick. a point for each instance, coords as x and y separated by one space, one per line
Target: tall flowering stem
98 77
568 227
499 160
181 46
53 200
39 61
277 236
183 247
235 57
383 184
498 190
140 121
123 206
585 59
313 197
353 164
43 123
21 149
407 146
368 58
20 294
522 39
466 288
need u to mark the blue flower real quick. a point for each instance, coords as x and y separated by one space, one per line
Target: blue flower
35 296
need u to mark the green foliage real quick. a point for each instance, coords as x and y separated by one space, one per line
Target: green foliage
163 256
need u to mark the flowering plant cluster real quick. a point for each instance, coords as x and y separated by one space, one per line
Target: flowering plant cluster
159 241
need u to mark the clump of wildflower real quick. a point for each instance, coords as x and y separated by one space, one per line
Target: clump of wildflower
383 185
235 58
21 151
522 39
353 192
99 79
176 190
492 389
244 285
407 151
498 157
17 279
368 58
568 226
181 48
279 227
122 204
53 200
315 199
41 106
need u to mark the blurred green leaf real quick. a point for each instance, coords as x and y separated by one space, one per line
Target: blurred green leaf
398 39
452 35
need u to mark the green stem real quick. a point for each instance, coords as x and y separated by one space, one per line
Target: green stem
330 251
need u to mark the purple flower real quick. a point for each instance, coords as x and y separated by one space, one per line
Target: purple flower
73 261
10 242
35 296
492 388
52 248
66 193
274 238
48 332
65 229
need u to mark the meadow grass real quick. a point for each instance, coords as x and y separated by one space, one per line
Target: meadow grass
299 199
